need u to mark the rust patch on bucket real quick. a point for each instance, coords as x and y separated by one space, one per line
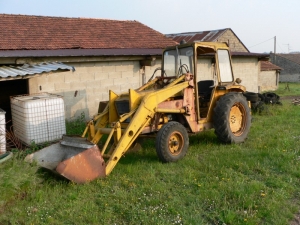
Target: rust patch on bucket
83 167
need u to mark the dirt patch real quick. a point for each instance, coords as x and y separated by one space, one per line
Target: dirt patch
289 97
293 99
296 220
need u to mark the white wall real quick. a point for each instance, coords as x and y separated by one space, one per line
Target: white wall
268 81
148 71
247 69
83 89
204 70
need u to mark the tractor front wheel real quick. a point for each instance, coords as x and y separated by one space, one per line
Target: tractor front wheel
172 142
232 118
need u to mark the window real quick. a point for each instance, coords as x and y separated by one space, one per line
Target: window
225 66
178 61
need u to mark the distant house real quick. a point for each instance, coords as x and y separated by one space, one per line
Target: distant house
290 64
78 58
246 65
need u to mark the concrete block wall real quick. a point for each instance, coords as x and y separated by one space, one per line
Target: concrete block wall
268 81
293 78
148 71
89 84
247 69
204 70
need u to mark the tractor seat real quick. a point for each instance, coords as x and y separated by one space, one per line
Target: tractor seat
204 89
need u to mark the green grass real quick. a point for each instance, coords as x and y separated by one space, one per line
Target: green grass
76 127
288 89
257 182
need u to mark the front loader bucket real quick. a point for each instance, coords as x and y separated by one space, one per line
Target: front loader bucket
75 158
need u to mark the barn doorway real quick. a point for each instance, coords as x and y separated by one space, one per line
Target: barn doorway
10 88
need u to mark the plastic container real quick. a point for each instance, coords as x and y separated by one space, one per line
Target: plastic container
38 118
2 132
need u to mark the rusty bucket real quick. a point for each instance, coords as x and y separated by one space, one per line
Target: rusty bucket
75 158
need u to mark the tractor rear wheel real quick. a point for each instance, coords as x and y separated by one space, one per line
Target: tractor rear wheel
232 118
172 142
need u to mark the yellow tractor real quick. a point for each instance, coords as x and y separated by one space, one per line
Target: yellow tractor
170 106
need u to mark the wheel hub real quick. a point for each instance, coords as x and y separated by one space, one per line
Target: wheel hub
175 143
236 119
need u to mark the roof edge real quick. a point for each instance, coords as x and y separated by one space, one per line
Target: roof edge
81 52
64 17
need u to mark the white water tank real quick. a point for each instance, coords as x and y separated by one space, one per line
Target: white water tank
38 118
2 132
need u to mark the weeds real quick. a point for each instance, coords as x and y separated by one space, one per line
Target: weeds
76 127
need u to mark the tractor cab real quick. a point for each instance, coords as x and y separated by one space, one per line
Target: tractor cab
210 64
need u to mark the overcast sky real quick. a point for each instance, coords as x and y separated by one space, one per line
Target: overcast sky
255 22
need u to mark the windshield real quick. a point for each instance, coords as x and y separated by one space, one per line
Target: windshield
178 61
225 66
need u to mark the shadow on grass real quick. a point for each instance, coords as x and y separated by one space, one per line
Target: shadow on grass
51 177
206 137
142 155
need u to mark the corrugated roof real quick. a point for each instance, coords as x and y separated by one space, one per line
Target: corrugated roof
267 66
209 36
12 72
22 32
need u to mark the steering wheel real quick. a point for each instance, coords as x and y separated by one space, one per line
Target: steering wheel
185 67
158 68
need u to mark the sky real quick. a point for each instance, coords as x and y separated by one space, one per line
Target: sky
255 22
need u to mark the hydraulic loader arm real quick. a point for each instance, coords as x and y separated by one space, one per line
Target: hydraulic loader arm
144 113
93 126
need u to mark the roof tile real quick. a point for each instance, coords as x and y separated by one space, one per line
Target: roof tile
266 66
48 33
295 57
